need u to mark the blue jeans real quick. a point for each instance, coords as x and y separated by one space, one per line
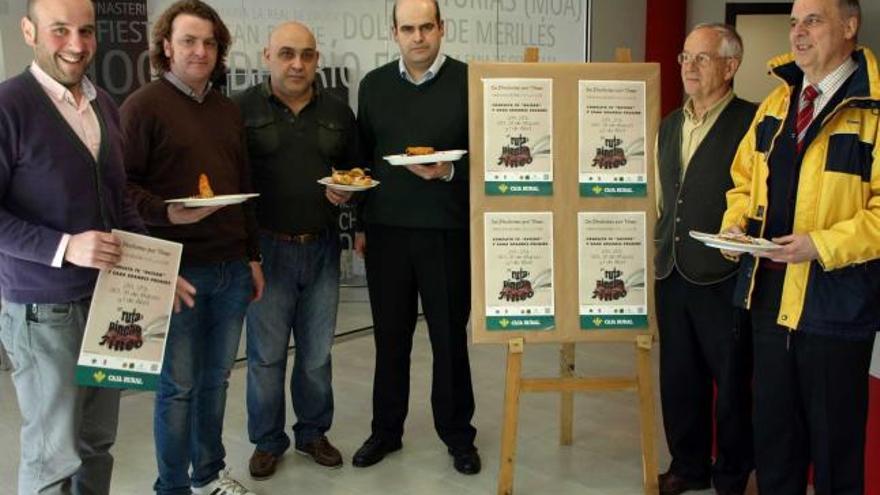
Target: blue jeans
302 292
191 396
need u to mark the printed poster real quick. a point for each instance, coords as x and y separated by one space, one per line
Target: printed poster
612 265
124 341
611 139
518 137
519 271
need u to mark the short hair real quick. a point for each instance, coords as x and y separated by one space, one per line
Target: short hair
394 13
162 31
851 8
731 43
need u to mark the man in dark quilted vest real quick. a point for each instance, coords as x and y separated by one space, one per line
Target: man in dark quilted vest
701 342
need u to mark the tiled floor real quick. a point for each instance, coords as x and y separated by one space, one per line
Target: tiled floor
605 457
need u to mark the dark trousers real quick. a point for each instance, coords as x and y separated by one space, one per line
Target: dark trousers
811 403
403 264
702 340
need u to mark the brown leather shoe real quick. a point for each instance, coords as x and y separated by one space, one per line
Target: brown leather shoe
322 452
262 464
671 484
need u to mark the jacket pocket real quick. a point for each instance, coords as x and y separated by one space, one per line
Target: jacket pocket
848 155
262 135
331 142
764 133
842 299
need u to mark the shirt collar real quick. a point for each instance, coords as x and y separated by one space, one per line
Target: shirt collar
716 108
183 87
834 80
59 91
267 91
429 74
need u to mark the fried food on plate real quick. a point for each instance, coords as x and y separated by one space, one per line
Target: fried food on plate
354 177
419 150
738 238
205 190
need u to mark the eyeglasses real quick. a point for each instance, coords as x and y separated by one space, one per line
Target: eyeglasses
306 55
702 59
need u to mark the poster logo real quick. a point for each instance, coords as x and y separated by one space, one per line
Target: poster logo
99 376
610 287
611 155
126 334
517 154
517 288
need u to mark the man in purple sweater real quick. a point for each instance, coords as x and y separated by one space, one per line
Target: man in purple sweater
62 188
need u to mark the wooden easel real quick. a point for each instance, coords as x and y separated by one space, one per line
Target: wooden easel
567 384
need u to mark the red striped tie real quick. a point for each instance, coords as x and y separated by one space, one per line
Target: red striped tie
805 114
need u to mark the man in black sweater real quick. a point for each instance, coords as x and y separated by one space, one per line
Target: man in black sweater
699 334
416 222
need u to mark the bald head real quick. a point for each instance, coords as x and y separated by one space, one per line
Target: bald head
291 30
34 7
292 59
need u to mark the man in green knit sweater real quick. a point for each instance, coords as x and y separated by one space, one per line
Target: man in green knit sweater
415 238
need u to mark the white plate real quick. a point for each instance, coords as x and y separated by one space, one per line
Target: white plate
219 200
327 181
439 156
716 241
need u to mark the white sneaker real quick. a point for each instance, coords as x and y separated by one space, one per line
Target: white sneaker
223 485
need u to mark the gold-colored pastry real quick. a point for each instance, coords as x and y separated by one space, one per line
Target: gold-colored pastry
738 238
419 150
205 190
354 177
363 180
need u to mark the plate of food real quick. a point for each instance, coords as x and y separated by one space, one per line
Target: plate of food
424 154
355 179
735 242
206 196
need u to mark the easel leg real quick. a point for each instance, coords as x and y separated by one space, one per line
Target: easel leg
646 410
566 403
511 416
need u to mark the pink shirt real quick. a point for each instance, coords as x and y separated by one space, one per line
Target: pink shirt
80 117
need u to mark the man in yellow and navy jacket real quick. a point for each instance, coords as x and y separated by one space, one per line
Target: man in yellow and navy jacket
807 176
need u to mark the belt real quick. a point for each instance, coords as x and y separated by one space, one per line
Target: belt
304 238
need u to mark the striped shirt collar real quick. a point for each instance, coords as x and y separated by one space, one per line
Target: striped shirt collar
59 91
830 84
185 89
429 74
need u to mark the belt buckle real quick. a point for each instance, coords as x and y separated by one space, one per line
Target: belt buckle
304 238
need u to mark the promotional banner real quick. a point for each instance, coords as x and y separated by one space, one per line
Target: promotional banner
611 263
518 136
356 34
122 61
124 340
611 139
519 271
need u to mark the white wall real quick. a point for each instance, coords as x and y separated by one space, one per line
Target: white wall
618 23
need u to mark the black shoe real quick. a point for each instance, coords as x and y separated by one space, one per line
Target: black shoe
374 450
672 484
466 461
